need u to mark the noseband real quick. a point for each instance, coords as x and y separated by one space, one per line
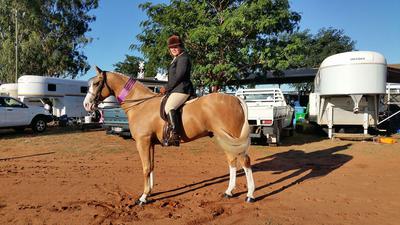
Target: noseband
103 83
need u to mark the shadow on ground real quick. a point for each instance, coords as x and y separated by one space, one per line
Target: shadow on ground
51 130
304 166
297 139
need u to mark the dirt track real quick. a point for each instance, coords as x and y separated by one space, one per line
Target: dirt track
92 178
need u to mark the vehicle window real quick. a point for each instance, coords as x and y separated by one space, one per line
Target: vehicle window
2 103
10 102
51 87
265 97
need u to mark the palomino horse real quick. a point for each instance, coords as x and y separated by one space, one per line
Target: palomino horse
219 115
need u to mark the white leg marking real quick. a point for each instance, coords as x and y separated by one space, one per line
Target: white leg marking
151 180
143 198
232 180
250 182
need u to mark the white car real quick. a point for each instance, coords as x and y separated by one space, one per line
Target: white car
17 115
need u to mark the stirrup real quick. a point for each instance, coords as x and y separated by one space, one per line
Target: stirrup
170 139
174 139
166 135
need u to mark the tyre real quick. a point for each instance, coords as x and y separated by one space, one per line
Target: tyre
125 134
108 130
277 132
39 125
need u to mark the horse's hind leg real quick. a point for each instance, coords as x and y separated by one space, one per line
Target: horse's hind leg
244 160
232 175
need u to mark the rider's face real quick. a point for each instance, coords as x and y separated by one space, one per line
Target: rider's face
175 51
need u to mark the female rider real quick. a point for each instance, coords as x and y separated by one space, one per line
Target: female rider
178 88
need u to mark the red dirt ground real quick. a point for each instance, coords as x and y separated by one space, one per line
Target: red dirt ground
77 177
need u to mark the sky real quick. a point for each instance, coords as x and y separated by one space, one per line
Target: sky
374 25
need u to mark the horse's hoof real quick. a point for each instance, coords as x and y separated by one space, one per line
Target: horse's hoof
227 196
140 203
250 200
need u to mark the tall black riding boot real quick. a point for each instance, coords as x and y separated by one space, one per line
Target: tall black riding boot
173 119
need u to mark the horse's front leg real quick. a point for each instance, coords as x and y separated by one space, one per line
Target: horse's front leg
143 145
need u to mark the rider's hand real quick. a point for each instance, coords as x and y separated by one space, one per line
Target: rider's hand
163 90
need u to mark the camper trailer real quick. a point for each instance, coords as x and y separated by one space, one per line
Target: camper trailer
347 89
64 96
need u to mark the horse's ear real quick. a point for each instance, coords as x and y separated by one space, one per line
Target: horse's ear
98 70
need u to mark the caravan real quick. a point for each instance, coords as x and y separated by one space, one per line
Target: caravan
63 96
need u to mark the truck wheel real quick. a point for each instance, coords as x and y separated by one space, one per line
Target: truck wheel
263 140
277 133
38 125
278 137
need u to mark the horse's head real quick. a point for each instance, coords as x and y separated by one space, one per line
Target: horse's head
98 90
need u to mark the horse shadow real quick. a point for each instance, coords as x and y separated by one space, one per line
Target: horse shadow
301 139
305 166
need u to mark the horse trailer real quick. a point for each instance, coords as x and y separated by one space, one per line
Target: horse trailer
64 96
347 89
10 89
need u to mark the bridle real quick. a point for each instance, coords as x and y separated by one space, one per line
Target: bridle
97 94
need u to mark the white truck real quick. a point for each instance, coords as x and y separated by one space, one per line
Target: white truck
17 115
268 114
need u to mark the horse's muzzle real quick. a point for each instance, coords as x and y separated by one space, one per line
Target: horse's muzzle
89 106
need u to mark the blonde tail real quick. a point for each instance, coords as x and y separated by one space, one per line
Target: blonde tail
241 143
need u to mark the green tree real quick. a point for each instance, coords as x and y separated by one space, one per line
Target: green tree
227 40
51 35
327 42
130 66
313 49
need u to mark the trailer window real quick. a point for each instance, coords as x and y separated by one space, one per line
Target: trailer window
84 89
51 87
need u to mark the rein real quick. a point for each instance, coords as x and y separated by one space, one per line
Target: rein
127 88
123 94
138 101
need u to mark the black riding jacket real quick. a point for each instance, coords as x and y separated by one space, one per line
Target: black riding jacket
179 75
